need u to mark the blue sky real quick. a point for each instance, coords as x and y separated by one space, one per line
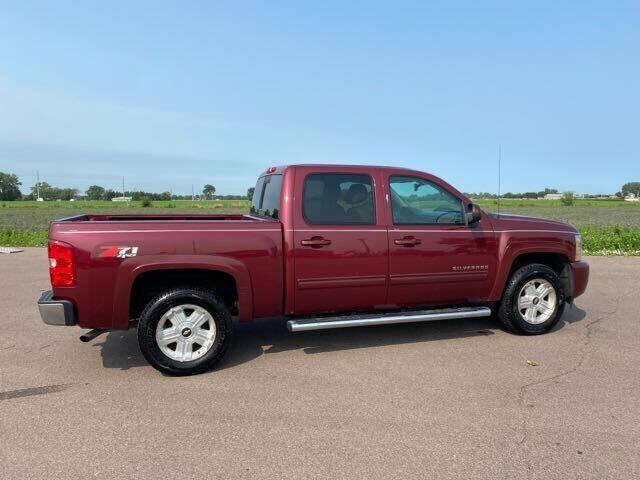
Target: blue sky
171 94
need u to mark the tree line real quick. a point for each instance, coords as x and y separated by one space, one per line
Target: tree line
512 195
10 190
627 189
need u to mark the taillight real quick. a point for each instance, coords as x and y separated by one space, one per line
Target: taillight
62 268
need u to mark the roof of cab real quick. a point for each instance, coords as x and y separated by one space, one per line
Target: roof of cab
345 168
328 166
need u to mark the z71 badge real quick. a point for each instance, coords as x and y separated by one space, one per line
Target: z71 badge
117 252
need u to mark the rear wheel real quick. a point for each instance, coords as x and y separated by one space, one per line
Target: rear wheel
184 331
533 301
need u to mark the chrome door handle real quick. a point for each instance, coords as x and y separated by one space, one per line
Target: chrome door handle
315 242
408 241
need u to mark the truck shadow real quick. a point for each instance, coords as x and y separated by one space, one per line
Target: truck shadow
271 336
119 349
262 337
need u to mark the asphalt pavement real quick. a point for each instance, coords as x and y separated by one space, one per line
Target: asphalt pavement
447 400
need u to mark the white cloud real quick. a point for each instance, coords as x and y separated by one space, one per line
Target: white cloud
40 116
82 139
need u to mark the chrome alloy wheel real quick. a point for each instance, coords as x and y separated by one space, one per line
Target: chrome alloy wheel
537 301
186 332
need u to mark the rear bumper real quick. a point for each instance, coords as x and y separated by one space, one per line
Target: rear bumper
55 312
580 277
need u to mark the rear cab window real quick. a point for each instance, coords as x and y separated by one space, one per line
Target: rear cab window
266 196
338 199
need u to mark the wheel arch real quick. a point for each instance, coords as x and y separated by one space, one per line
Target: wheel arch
556 260
142 277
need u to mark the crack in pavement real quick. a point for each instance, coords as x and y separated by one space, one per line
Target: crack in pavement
522 392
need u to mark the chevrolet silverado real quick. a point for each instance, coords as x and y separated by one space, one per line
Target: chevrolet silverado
323 246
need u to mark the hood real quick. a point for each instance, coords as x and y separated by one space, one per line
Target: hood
516 222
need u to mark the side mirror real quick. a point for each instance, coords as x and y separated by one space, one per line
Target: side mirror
474 214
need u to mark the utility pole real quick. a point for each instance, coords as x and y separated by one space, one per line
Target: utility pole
123 195
38 184
192 193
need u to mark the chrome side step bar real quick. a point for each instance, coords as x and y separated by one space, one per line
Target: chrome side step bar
302 325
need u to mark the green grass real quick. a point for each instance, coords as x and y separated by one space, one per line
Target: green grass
26 224
38 215
608 227
611 240
23 238
524 202
583 213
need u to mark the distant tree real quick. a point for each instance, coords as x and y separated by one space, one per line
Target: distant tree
53 193
9 187
567 199
95 192
250 193
550 190
631 187
208 191
45 190
66 193
109 194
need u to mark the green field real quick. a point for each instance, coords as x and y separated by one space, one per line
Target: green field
609 227
38 215
582 213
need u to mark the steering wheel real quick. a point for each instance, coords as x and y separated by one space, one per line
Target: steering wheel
448 212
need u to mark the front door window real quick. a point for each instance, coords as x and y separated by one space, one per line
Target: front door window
416 201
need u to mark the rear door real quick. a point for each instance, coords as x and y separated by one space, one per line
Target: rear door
435 258
340 241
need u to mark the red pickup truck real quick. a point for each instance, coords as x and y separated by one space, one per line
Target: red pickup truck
324 246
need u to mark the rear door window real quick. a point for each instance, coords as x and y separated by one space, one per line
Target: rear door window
338 199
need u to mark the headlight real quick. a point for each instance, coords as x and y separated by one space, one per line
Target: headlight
578 247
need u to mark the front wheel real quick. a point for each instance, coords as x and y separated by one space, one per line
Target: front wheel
184 331
533 301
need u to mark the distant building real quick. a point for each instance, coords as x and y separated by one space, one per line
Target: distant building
632 197
121 199
558 196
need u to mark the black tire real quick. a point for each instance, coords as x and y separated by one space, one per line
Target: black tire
509 314
155 310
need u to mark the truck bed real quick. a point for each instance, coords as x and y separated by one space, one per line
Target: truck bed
244 246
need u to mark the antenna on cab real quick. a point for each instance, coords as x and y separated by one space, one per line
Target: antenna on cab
499 173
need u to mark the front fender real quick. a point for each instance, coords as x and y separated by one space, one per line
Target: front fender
131 268
512 247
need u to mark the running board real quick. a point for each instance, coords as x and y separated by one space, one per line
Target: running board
302 325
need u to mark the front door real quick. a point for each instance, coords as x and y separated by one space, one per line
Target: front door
341 248
435 258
